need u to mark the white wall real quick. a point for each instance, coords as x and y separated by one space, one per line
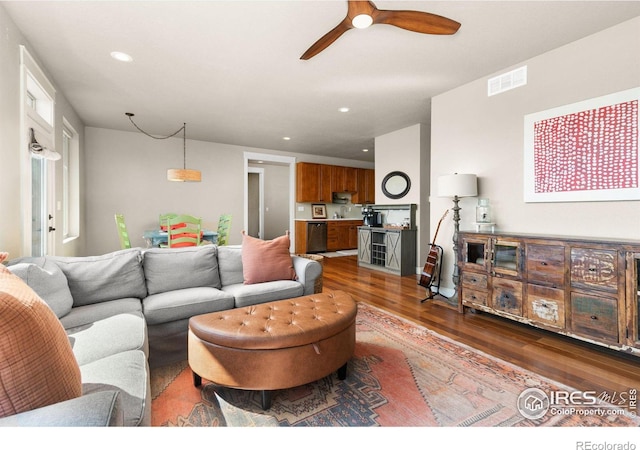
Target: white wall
407 151
473 133
12 174
126 174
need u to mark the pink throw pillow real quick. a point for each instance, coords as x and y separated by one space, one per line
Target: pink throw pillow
37 364
266 260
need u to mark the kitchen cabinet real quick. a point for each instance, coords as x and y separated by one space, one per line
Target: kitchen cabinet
366 189
391 250
342 234
344 179
587 289
315 183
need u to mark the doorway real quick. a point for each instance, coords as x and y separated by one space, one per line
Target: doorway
277 190
255 207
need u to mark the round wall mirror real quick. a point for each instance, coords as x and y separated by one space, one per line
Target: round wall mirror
396 184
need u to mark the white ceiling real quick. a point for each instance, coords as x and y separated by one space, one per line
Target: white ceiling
231 69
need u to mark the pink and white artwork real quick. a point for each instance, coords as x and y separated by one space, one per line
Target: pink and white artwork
586 151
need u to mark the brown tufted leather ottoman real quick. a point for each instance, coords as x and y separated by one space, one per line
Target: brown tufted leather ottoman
274 345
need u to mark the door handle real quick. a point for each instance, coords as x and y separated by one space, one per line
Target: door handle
52 229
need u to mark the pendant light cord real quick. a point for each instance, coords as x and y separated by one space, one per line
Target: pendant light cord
184 136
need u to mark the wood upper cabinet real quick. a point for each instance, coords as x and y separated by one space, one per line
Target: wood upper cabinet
366 186
313 183
344 179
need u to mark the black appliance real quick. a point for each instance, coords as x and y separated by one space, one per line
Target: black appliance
316 237
370 217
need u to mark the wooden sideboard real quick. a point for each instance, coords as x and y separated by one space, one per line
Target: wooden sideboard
588 289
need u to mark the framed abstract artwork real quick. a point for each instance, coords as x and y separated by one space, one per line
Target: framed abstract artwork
583 152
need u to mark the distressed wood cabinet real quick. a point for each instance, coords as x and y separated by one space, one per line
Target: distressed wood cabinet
588 289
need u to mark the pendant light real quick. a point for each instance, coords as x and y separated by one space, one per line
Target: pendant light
183 174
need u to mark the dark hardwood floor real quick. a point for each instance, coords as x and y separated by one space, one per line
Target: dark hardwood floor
580 365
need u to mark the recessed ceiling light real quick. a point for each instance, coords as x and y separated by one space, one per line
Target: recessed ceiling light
120 56
365 150
286 138
344 109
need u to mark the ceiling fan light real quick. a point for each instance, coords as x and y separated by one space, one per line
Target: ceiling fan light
184 175
362 21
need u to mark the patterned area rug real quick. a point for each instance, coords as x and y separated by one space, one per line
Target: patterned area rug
401 375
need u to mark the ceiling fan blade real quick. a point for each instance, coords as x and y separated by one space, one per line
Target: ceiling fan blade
418 21
328 39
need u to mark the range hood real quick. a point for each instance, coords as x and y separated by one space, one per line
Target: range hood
341 198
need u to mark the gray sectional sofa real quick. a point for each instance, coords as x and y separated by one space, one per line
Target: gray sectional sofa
127 311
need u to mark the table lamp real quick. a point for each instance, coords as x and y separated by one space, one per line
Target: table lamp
457 185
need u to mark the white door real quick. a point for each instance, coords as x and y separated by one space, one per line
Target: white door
42 207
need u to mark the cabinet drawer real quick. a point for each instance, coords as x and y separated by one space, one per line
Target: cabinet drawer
506 296
595 317
474 280
475 297
545 305
591 268
545 264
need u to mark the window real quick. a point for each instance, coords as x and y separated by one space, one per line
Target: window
70 182
38 100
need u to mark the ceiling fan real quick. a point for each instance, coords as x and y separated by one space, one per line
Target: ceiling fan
362 14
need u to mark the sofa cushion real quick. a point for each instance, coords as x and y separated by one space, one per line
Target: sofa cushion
184 303
48 281
109 336
253 294
169 269
128 373
230 264
94 279
86 315
37 365
266 260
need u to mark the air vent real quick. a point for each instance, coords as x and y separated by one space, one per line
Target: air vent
507 81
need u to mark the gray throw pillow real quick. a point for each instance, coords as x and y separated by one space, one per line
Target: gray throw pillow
169 269
48 281
230 262
94 279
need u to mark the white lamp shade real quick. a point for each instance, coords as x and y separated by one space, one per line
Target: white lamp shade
458 184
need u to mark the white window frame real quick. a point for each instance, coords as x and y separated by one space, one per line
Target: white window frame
37 111
70 182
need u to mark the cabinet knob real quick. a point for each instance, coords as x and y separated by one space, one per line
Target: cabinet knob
592 269
594 317
543 263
